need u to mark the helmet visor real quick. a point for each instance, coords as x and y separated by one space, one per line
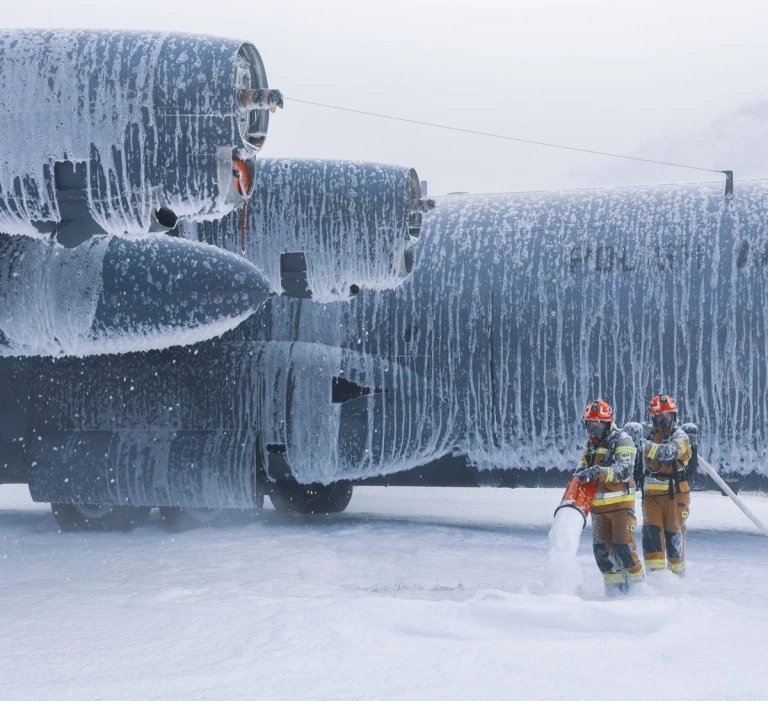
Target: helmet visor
598 429
664 420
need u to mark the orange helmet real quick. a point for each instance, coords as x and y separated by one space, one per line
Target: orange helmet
598 410
598 417
663 409
661 403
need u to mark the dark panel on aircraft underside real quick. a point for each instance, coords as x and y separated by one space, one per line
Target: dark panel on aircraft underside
148 468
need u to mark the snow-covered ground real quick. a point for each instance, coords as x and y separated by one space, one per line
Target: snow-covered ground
411 594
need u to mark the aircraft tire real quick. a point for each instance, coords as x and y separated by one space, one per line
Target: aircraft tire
184 518
88 517
311 498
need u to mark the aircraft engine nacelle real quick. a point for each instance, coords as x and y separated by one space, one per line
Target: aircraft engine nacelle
131 131
114 294
326 229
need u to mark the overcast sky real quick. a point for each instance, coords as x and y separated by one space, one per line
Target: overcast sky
665 79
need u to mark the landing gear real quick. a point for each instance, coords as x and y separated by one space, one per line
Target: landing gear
91 517
294 498
183 518
179 518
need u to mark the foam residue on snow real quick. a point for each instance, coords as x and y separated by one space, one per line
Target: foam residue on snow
352 221
563 573
429 580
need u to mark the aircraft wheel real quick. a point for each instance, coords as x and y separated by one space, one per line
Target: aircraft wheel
182 518
91 517
311 498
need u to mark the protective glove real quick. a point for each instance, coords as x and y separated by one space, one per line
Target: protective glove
589 474
651 449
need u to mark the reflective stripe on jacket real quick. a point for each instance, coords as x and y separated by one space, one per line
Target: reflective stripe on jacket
616 454
665 458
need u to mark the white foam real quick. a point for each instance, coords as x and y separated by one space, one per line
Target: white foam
523 307
130 105
350 220
563 573
49 293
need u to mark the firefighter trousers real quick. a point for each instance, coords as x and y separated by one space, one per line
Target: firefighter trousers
613 543
664 531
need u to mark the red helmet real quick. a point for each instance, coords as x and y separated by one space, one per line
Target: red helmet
663 410
662 403
598 410
598 417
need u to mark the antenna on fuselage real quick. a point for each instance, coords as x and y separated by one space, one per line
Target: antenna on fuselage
728 183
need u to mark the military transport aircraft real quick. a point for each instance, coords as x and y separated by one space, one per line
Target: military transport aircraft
464 359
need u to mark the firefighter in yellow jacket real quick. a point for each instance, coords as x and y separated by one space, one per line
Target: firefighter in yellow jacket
609 459
666 493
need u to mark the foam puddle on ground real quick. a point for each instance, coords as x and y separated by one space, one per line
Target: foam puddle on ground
494 614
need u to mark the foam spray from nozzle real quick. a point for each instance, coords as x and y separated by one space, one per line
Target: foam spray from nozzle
563 575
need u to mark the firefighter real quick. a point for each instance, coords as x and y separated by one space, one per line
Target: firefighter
609 459
666 493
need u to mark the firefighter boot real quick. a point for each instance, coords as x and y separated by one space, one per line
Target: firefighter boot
626 557
615 583
614 578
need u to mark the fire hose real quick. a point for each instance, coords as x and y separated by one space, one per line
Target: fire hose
729 492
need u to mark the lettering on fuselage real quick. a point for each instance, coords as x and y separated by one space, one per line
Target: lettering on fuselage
623 259
602 259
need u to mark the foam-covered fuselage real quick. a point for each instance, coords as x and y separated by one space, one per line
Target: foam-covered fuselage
523 307
520 308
